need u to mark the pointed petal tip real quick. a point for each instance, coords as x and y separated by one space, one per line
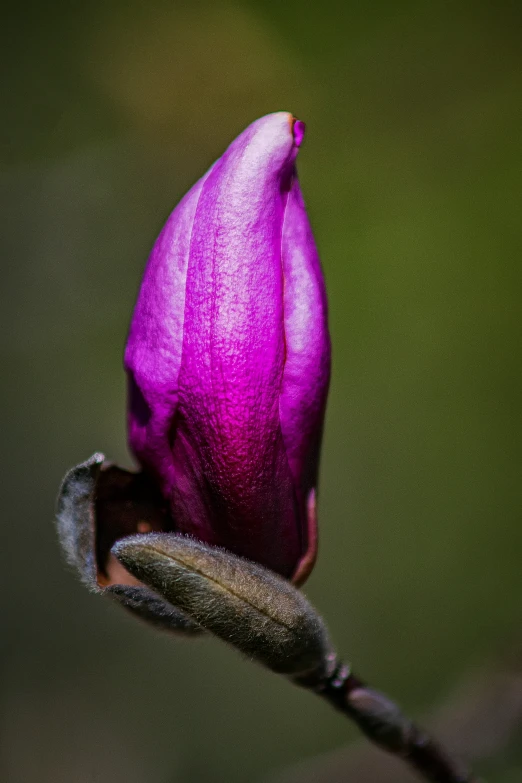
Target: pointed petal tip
298 130
280 130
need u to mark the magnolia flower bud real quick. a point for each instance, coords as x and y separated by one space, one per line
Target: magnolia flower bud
228 356
241 602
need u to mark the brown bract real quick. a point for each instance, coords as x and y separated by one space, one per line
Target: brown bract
98 505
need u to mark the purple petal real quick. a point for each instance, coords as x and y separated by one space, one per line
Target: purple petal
307 366
153 352
232 483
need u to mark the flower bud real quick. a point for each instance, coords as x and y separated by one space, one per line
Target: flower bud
241 602
228 356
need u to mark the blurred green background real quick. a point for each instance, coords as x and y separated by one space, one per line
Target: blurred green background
412 175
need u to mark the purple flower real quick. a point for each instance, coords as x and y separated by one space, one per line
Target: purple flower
228 356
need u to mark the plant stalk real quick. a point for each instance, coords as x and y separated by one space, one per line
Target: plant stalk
382 721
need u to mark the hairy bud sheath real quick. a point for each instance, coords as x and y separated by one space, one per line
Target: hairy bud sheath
228 356
246 605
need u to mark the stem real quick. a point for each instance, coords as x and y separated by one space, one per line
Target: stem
383 723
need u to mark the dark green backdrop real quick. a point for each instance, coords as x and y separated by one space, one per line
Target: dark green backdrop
412 175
